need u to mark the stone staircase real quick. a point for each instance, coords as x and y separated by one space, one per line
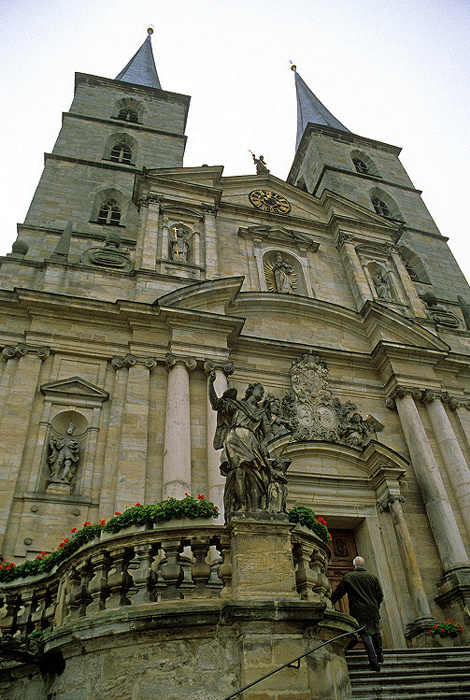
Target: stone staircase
409 674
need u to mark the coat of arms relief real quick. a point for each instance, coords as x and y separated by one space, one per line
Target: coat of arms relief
309 411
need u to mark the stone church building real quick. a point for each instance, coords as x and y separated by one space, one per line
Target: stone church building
132 281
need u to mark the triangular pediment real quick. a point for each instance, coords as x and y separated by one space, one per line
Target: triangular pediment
279 234
213 296
74 388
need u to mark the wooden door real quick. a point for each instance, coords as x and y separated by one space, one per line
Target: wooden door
343 551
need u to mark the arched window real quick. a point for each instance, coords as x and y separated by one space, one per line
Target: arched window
109 213
128 115
360 166
380 207
121 153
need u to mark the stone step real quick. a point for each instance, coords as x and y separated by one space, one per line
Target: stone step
412 674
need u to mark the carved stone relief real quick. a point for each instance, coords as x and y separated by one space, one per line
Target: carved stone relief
309 411
111 255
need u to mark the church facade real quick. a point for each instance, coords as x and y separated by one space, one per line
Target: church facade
134 279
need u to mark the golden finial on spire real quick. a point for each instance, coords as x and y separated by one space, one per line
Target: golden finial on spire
150 29
293 66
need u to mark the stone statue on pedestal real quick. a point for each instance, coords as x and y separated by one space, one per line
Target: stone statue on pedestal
243 431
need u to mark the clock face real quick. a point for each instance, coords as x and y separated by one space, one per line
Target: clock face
269 201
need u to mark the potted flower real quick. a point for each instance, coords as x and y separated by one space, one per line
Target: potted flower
306 516
444 633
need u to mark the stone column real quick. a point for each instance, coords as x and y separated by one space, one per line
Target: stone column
451 453
177 451
414 582
215 480
212 262
354 269
132 464
441 517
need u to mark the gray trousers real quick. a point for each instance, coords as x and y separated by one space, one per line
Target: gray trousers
374 649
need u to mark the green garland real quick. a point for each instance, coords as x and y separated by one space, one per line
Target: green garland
187 507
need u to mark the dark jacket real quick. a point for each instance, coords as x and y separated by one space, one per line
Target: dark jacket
364 594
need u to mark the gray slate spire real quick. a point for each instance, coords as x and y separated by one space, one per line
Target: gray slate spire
310 109
141 68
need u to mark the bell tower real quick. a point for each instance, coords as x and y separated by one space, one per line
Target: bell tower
114 129
329 157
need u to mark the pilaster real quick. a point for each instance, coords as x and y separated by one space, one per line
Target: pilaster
210 226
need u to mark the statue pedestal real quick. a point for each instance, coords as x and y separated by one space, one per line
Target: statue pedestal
261 553
60 488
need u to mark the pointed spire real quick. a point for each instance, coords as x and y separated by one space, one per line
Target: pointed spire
310 109
141 68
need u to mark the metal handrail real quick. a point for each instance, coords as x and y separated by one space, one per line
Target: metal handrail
290 664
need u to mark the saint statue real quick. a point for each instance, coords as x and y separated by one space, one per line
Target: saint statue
64 455
243 430
284 276
179 246
381 284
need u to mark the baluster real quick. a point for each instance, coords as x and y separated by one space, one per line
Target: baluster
224 570
98 588
71 602
171 570
143 576
23 622
82 596
200 569
39 606
50 605
305 578
12 605
119 580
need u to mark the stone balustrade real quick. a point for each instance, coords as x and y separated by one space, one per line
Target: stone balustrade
143 570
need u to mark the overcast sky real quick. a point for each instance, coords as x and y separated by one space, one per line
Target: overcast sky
393 70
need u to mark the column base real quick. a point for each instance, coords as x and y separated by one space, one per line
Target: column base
454 598
416 632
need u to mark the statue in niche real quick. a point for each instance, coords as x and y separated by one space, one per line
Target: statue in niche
243 430
179 246
280 276
64 454
382 285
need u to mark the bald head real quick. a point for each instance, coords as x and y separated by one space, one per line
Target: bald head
358 561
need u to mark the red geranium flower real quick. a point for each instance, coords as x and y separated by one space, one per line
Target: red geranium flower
102 522
200 496
138 504
117 513
86 523
74 529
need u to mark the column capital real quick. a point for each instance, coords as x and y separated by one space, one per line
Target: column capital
146 199
428 396
209 209
389 499
189 362
342 238
129 360
21 349
450 401
226 367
